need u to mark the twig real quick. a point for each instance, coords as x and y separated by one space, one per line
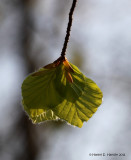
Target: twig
63 53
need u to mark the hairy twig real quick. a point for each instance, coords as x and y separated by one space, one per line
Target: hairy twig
68 29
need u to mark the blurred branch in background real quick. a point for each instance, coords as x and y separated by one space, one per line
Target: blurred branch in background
24 125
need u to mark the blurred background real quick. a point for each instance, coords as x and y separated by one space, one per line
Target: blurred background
31 36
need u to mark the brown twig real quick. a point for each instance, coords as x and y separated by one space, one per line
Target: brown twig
68 29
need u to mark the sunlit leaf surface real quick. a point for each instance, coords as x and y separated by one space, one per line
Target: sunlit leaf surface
60 91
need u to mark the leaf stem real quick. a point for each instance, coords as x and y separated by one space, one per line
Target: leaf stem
63 53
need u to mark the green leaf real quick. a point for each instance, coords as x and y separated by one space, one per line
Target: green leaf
40 115
60 91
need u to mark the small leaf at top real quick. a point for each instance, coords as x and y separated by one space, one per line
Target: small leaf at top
60 91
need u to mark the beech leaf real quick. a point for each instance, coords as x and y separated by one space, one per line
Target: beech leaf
60 91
